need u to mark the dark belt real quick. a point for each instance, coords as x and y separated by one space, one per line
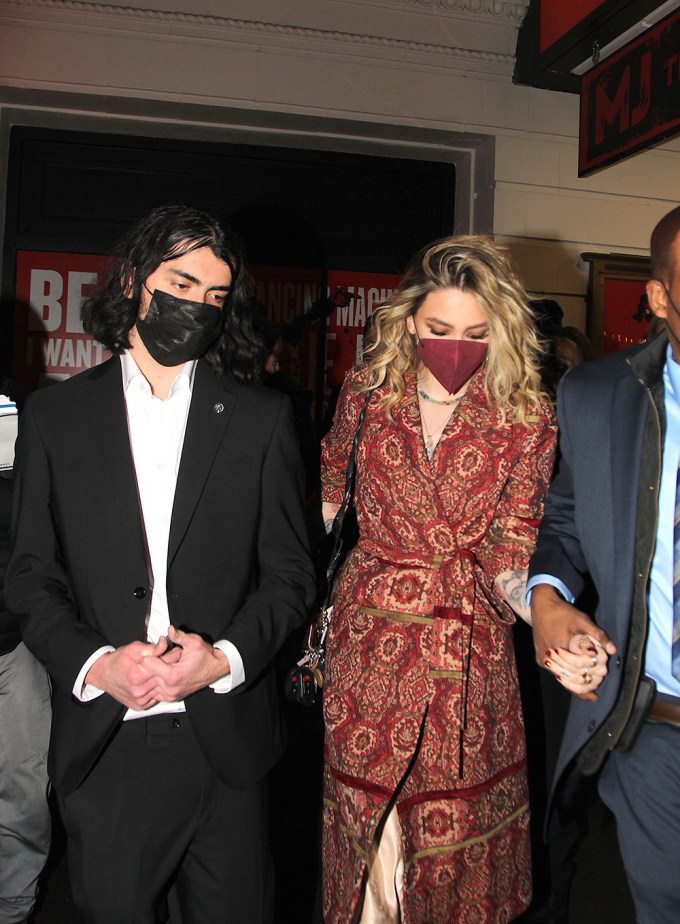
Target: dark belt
665 709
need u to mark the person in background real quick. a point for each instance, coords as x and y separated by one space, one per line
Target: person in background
25 714
572 347
426 809
273 342
275 375
160 560
547 317
612 516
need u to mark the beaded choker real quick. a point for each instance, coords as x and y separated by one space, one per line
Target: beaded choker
426 397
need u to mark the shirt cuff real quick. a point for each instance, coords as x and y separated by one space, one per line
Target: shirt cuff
547 579
238 673
84 692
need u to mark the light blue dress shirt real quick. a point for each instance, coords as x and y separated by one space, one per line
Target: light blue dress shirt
660 596
660 600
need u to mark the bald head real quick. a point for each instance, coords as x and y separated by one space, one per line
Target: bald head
661 249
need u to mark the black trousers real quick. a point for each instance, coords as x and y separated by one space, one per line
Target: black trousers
153 813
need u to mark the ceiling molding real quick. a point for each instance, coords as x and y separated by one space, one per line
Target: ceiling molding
275 30
510 10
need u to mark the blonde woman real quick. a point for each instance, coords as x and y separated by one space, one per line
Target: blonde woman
425 811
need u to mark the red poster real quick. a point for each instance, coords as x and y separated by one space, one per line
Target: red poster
290 296
619 327
348 317
293 302
49 343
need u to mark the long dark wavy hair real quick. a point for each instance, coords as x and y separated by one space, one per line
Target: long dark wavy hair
171 231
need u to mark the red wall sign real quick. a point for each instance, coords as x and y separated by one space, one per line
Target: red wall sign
632 100
619 327
345 330
50 345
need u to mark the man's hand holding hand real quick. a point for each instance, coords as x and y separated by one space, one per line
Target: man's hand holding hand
568 643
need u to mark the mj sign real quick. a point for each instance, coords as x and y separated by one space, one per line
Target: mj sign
632 100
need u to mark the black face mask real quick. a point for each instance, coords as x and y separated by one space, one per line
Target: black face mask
175 330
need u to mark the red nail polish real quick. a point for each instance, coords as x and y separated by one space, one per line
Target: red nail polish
547 663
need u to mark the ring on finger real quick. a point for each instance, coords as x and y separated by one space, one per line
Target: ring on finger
587 678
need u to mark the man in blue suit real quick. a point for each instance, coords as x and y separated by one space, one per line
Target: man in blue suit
610 518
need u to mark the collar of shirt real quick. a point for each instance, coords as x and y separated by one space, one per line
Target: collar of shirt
131 372
673 370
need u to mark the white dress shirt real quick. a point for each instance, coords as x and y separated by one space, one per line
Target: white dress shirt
157 429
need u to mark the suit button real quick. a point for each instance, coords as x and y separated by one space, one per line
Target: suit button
139 593
591 725
176 723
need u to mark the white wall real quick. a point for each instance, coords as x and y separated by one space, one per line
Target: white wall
420 78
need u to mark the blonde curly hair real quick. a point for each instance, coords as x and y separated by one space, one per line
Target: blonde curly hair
476 265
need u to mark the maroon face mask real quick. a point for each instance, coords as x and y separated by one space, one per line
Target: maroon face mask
451 362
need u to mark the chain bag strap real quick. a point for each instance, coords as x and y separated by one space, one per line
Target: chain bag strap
305 679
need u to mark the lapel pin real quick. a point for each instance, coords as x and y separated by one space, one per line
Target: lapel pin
218 408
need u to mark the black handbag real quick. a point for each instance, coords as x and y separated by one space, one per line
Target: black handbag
304 680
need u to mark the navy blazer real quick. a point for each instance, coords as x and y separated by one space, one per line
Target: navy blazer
238 561
589 525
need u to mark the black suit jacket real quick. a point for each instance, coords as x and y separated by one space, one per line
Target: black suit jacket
607 411
238 563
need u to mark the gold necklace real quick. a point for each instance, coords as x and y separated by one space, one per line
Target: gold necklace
430 437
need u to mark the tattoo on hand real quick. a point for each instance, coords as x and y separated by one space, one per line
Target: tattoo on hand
512 585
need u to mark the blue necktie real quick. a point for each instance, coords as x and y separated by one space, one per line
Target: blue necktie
675 651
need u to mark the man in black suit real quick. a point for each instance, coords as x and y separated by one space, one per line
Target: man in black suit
610 515
160 559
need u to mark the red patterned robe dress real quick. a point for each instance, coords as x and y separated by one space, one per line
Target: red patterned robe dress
421 699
